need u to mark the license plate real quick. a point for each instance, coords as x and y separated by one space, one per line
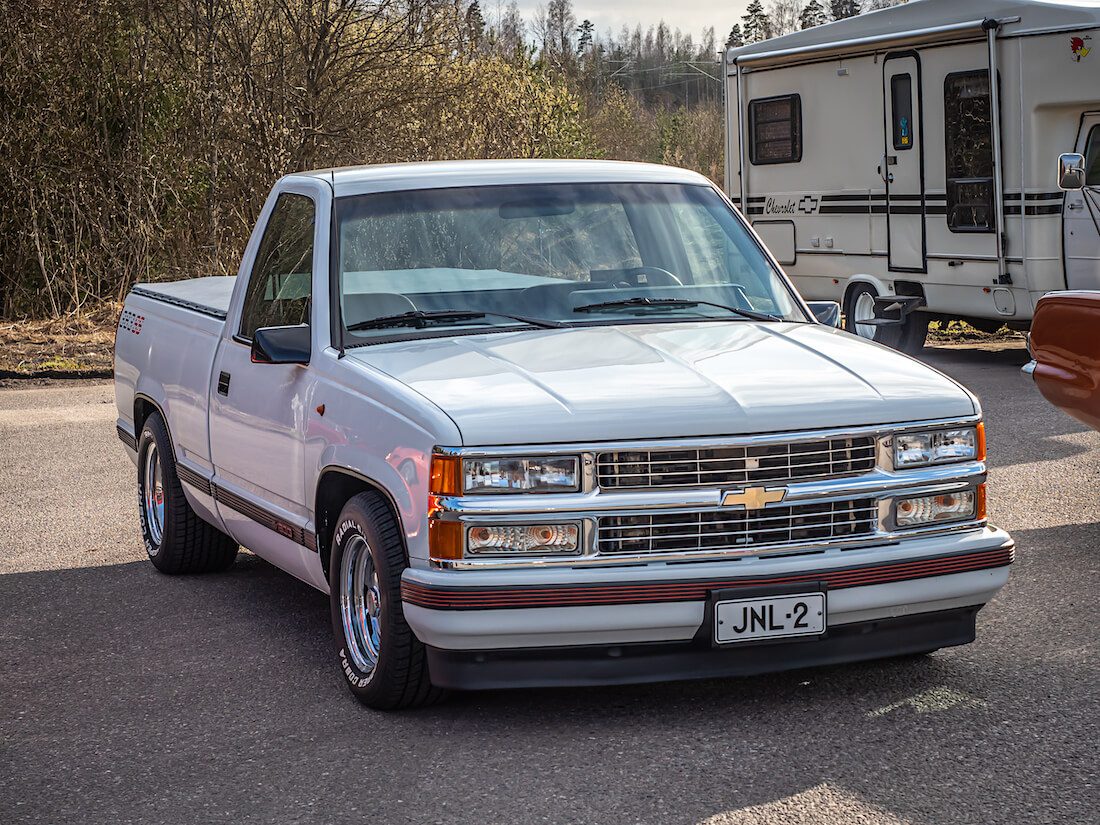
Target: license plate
773 617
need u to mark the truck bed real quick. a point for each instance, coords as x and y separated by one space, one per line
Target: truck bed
210 296
164 350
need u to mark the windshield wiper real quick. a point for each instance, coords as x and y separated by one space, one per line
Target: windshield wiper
420 318
673 303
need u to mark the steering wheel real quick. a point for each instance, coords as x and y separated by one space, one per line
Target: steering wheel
653 276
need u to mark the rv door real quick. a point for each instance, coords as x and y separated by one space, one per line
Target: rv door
1081 213
902 166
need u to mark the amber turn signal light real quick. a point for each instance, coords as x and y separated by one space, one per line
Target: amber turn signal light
444 539
446 475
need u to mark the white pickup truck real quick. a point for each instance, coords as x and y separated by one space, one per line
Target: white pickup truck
551 423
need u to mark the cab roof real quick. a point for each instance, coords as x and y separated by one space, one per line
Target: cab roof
356 180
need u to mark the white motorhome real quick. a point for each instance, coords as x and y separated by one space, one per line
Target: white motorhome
870 156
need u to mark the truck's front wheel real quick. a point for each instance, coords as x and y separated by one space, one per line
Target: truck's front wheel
176 539
384 664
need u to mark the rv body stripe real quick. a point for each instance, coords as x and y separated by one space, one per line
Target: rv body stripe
872 197
934 203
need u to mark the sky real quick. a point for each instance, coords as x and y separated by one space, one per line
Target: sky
689 16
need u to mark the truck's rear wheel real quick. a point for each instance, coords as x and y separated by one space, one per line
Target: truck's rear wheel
859 307
384 664
176 539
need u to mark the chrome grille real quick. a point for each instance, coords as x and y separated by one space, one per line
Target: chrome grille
730 466
736 530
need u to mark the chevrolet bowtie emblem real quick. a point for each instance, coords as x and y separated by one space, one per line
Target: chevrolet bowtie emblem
754 497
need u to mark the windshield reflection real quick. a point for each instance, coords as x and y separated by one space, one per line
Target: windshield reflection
563 254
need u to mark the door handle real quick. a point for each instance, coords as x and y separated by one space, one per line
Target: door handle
884 173
1077 205
223 384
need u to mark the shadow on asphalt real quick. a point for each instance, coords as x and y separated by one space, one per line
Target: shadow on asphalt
133 696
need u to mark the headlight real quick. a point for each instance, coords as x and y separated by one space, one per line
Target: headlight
536 474
967 505
536 539
453 476
920 449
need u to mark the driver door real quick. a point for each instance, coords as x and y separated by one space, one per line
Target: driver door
259 412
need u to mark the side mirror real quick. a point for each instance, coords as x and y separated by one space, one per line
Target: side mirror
1071 171
826 312
281 345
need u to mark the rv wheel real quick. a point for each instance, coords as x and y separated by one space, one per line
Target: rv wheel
859 307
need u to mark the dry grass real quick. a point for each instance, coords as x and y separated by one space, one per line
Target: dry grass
73 345
961 334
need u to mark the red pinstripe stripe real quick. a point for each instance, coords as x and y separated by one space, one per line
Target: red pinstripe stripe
617 593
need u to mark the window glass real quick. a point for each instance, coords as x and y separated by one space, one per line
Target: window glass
556 239
713 258
281 283
901 100
969 138
1092 158
775 124
551 252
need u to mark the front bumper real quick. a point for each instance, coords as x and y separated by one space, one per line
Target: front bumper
504 615
697 659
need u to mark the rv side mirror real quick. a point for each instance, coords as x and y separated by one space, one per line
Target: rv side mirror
826 312
1071 171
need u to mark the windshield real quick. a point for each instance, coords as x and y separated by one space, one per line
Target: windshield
440 261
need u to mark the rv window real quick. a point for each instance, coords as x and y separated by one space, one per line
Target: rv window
969 138
775 124
1092 158
901 104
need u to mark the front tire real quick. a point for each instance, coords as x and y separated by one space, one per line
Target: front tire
176 539
384 664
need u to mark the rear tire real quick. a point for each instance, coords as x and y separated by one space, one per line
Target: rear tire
176 539
385 666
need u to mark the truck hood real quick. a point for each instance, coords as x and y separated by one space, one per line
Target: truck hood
643 381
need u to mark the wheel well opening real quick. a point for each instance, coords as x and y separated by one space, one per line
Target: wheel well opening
333 491
909 288
143 408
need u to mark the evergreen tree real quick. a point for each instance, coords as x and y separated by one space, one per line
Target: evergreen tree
475 23
757 26
585 29
735 39
844 8
812 15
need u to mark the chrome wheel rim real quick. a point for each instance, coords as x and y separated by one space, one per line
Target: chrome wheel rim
152 499
361 604
864 310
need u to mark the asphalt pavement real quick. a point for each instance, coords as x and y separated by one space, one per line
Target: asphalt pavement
127 696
